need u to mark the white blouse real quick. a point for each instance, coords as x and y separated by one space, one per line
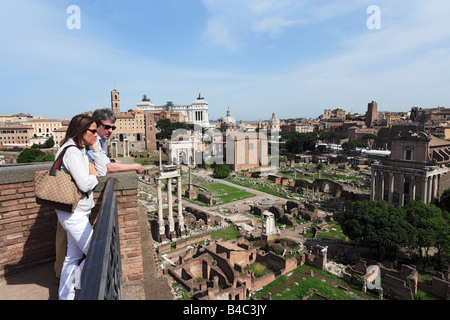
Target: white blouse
76 163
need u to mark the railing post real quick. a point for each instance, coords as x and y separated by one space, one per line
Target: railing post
101 278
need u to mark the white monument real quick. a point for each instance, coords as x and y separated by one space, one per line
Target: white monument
269 230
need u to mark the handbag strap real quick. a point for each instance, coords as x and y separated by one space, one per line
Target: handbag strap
58 162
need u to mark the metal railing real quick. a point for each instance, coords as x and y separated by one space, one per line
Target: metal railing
101 278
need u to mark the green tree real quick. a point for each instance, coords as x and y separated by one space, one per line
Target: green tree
166 127
372 224
34 155
368 136
297 142
49 143
349 146
431 225
221 171
322 148
333 137
444 203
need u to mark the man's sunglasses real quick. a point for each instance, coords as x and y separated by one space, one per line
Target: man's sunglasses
108 127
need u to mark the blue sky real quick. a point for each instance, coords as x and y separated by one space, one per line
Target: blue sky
292 57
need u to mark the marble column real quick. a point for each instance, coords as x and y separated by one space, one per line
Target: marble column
391 189
381 185
413 188
180 205
402 190
424 189
430 189
372 186
169 202
434 196
162 228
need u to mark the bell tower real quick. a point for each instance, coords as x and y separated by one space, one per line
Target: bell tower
115 101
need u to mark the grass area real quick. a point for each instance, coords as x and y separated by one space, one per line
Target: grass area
222 193
225 194
228 233
269 187
300 284
258 269
331 232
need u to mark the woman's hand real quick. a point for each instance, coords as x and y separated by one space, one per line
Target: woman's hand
92 170
95 147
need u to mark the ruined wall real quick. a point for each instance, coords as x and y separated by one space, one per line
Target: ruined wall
258 283
272 260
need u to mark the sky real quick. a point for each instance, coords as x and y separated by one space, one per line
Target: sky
255 57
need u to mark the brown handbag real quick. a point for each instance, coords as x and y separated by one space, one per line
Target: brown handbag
56 189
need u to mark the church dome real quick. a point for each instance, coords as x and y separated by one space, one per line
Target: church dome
229 119
274 121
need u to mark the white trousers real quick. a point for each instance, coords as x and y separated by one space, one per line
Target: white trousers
79 234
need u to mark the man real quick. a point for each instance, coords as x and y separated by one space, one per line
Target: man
105 120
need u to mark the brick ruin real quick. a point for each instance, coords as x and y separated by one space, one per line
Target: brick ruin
286 212
217 271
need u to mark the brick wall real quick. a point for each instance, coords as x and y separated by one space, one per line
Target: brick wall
27 230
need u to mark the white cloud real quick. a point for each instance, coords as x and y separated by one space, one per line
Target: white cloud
231 22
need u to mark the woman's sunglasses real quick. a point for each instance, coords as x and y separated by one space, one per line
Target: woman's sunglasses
93 131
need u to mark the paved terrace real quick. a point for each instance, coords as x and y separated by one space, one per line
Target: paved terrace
27 233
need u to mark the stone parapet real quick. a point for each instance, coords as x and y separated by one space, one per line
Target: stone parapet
27 230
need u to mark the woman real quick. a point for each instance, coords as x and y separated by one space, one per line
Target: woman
81 133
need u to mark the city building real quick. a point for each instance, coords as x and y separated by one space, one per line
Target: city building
371 114
243 150
417 168
333 114
195 113
15 135
46 127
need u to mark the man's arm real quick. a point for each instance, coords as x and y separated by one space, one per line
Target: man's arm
121 167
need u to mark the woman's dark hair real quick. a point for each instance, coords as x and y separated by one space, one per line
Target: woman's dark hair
77 128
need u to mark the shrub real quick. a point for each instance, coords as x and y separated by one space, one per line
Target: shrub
221 171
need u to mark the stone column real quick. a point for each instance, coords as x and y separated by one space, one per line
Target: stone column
424 189
430 189
435 188
413 188
162 228
391 188
438 181
381 197
180 206
402 190
372 186
126 147
169 202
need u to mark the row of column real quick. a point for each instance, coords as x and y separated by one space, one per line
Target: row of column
429 183
159 185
